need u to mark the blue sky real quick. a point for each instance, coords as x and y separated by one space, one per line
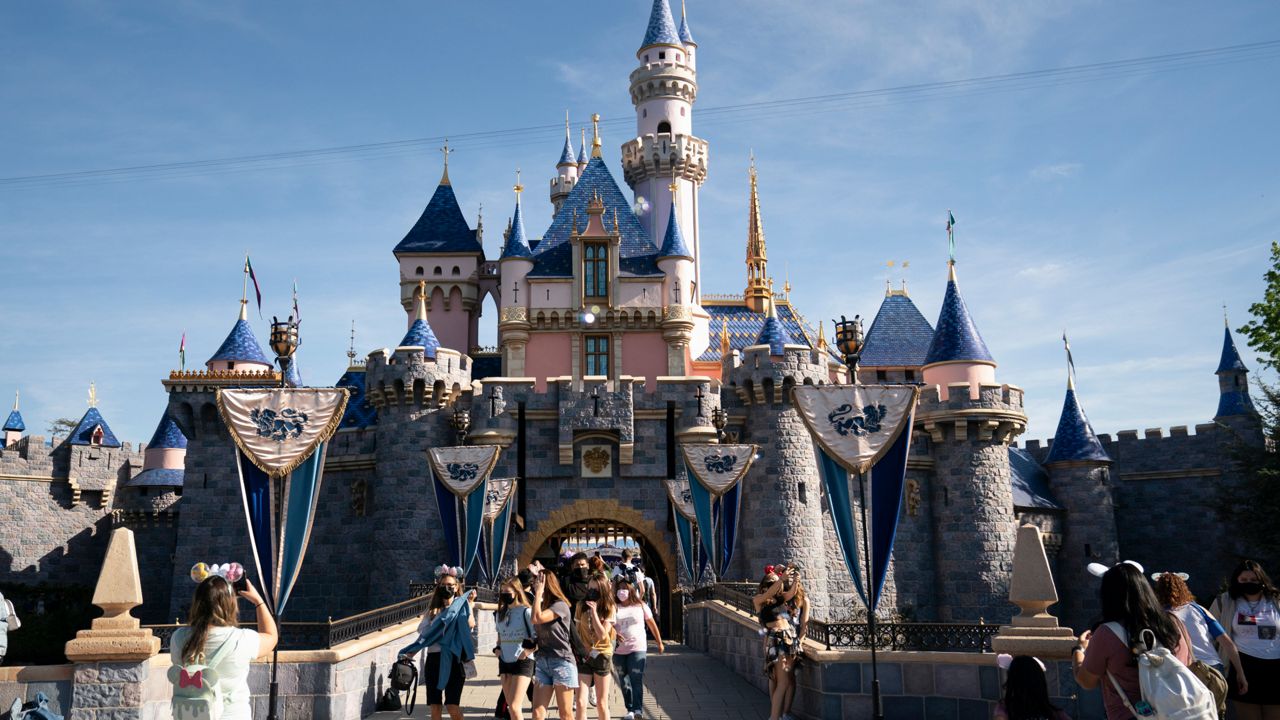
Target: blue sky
1126 210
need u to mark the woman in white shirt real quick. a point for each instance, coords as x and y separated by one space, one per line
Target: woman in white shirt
1250 613
211 625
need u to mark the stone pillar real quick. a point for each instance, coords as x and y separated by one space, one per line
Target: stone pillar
1033 631
112 658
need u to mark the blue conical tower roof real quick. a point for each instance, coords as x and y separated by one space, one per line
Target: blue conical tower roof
673 242
582 150
240 345
566 155
15 422
292 376
168 436
517 242
686 37
773 333
956 338
1230 361
441 228
662 26
83 434
420 333
1075 440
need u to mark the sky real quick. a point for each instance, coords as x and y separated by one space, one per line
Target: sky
1125 207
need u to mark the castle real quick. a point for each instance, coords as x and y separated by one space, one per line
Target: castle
609 354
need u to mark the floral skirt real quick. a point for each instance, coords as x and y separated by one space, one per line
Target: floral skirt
779 645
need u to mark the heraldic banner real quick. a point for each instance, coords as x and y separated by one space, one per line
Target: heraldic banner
692 559
461 474
860 428
716 491
499 509
280 436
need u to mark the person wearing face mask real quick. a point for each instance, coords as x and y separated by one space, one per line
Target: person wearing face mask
594 635
448 588
577 578
1250 612
516 645
629 656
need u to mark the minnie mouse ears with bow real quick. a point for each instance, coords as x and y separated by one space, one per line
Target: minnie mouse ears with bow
445 570
1156 576
1098 569
231 572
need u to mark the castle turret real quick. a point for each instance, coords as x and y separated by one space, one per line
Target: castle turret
1233 382
676 262
240 351
1080 477
513 321
92 430
757 293
13 425
663 90
567 171
686 37
897 342
970 421
420 334
582 153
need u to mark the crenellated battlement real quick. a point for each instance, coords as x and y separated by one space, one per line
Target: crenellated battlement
406 377
760 378
995 414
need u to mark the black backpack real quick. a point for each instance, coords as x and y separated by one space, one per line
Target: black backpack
404 678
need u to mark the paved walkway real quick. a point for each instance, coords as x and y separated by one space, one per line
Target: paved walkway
682 684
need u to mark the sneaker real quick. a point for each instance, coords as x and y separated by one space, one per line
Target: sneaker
629 716
638 714
591 695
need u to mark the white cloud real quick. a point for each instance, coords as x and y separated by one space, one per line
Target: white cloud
1055 171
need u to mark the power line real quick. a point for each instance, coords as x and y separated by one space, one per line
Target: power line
719 115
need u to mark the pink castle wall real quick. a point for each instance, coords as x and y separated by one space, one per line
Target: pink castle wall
644 355
548 355
452 327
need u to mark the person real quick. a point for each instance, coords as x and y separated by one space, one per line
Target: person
1101 656
448 588
597 564
555 670
1026 692
1204 630
516 643
593 623
4 627
782 646
576 578
1250 612
798 614
629 656
211 624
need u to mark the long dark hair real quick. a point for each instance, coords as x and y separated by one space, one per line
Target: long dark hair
1269 590
214 605
552 593
1026 693
441 598
1127 598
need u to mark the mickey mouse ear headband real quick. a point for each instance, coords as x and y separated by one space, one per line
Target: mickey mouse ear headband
1157 575
231 572
1098 569
443 570
1004 660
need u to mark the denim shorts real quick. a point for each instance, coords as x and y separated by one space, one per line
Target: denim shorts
555 671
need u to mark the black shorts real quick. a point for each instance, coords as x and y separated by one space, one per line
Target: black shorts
452 693
523 668
1264 681
600 666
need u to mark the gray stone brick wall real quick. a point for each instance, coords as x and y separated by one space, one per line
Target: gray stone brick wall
1089 535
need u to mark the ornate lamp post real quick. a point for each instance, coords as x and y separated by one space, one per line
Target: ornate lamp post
460 421
719 418
284 343
849 340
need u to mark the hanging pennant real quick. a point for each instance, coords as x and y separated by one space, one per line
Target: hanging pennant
683 513
716 497
861 429
461 475
280 436
498 512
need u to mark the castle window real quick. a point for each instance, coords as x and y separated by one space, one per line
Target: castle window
595 271
596 355
662 56
678 57
457 270
644 112
911 376
437 271
664 127
682 112
882 376
418 271
646 57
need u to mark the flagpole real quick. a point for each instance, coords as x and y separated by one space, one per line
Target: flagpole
244 292
877 708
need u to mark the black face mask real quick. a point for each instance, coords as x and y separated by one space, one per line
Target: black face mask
1250 588
508 598
582 574
593 594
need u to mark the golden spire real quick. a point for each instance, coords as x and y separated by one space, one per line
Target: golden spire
93 395
595 135
518 188
822 337
757 258
724 338
421 296
444 178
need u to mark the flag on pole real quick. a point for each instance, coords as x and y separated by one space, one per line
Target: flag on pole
297 314
182 350
248 270
951 236
1071 364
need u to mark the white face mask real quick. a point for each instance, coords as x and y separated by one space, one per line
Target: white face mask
623 595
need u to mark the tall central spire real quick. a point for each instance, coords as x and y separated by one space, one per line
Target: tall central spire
757 293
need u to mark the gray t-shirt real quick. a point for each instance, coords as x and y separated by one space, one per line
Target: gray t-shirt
553 637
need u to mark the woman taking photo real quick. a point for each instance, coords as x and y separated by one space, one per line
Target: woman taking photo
594 620
1249 613
629 657
781 644
1105 656
798 612
554 668
211 631
516 643
448 588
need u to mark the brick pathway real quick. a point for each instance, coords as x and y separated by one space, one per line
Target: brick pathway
682 684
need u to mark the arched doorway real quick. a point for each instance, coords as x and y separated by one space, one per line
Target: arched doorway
604 533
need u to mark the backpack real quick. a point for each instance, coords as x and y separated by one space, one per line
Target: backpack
1170 691
11 616
403 678
196 693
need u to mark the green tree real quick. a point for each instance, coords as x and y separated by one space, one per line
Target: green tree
61 427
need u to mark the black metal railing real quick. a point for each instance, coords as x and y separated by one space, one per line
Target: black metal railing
919 636
483 594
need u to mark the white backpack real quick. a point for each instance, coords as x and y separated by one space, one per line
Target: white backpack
1170 691
196 693
11 616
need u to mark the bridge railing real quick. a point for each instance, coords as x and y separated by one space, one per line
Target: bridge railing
918 636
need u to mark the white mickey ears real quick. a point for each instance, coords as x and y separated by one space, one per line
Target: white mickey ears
1004 660
1156 576
1098 569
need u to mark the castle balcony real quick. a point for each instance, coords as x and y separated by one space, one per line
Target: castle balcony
194 381
655 155
995 415
665 78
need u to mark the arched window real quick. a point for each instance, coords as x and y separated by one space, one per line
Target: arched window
418 271
682 112
664 127
662 55
437 271
457 270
